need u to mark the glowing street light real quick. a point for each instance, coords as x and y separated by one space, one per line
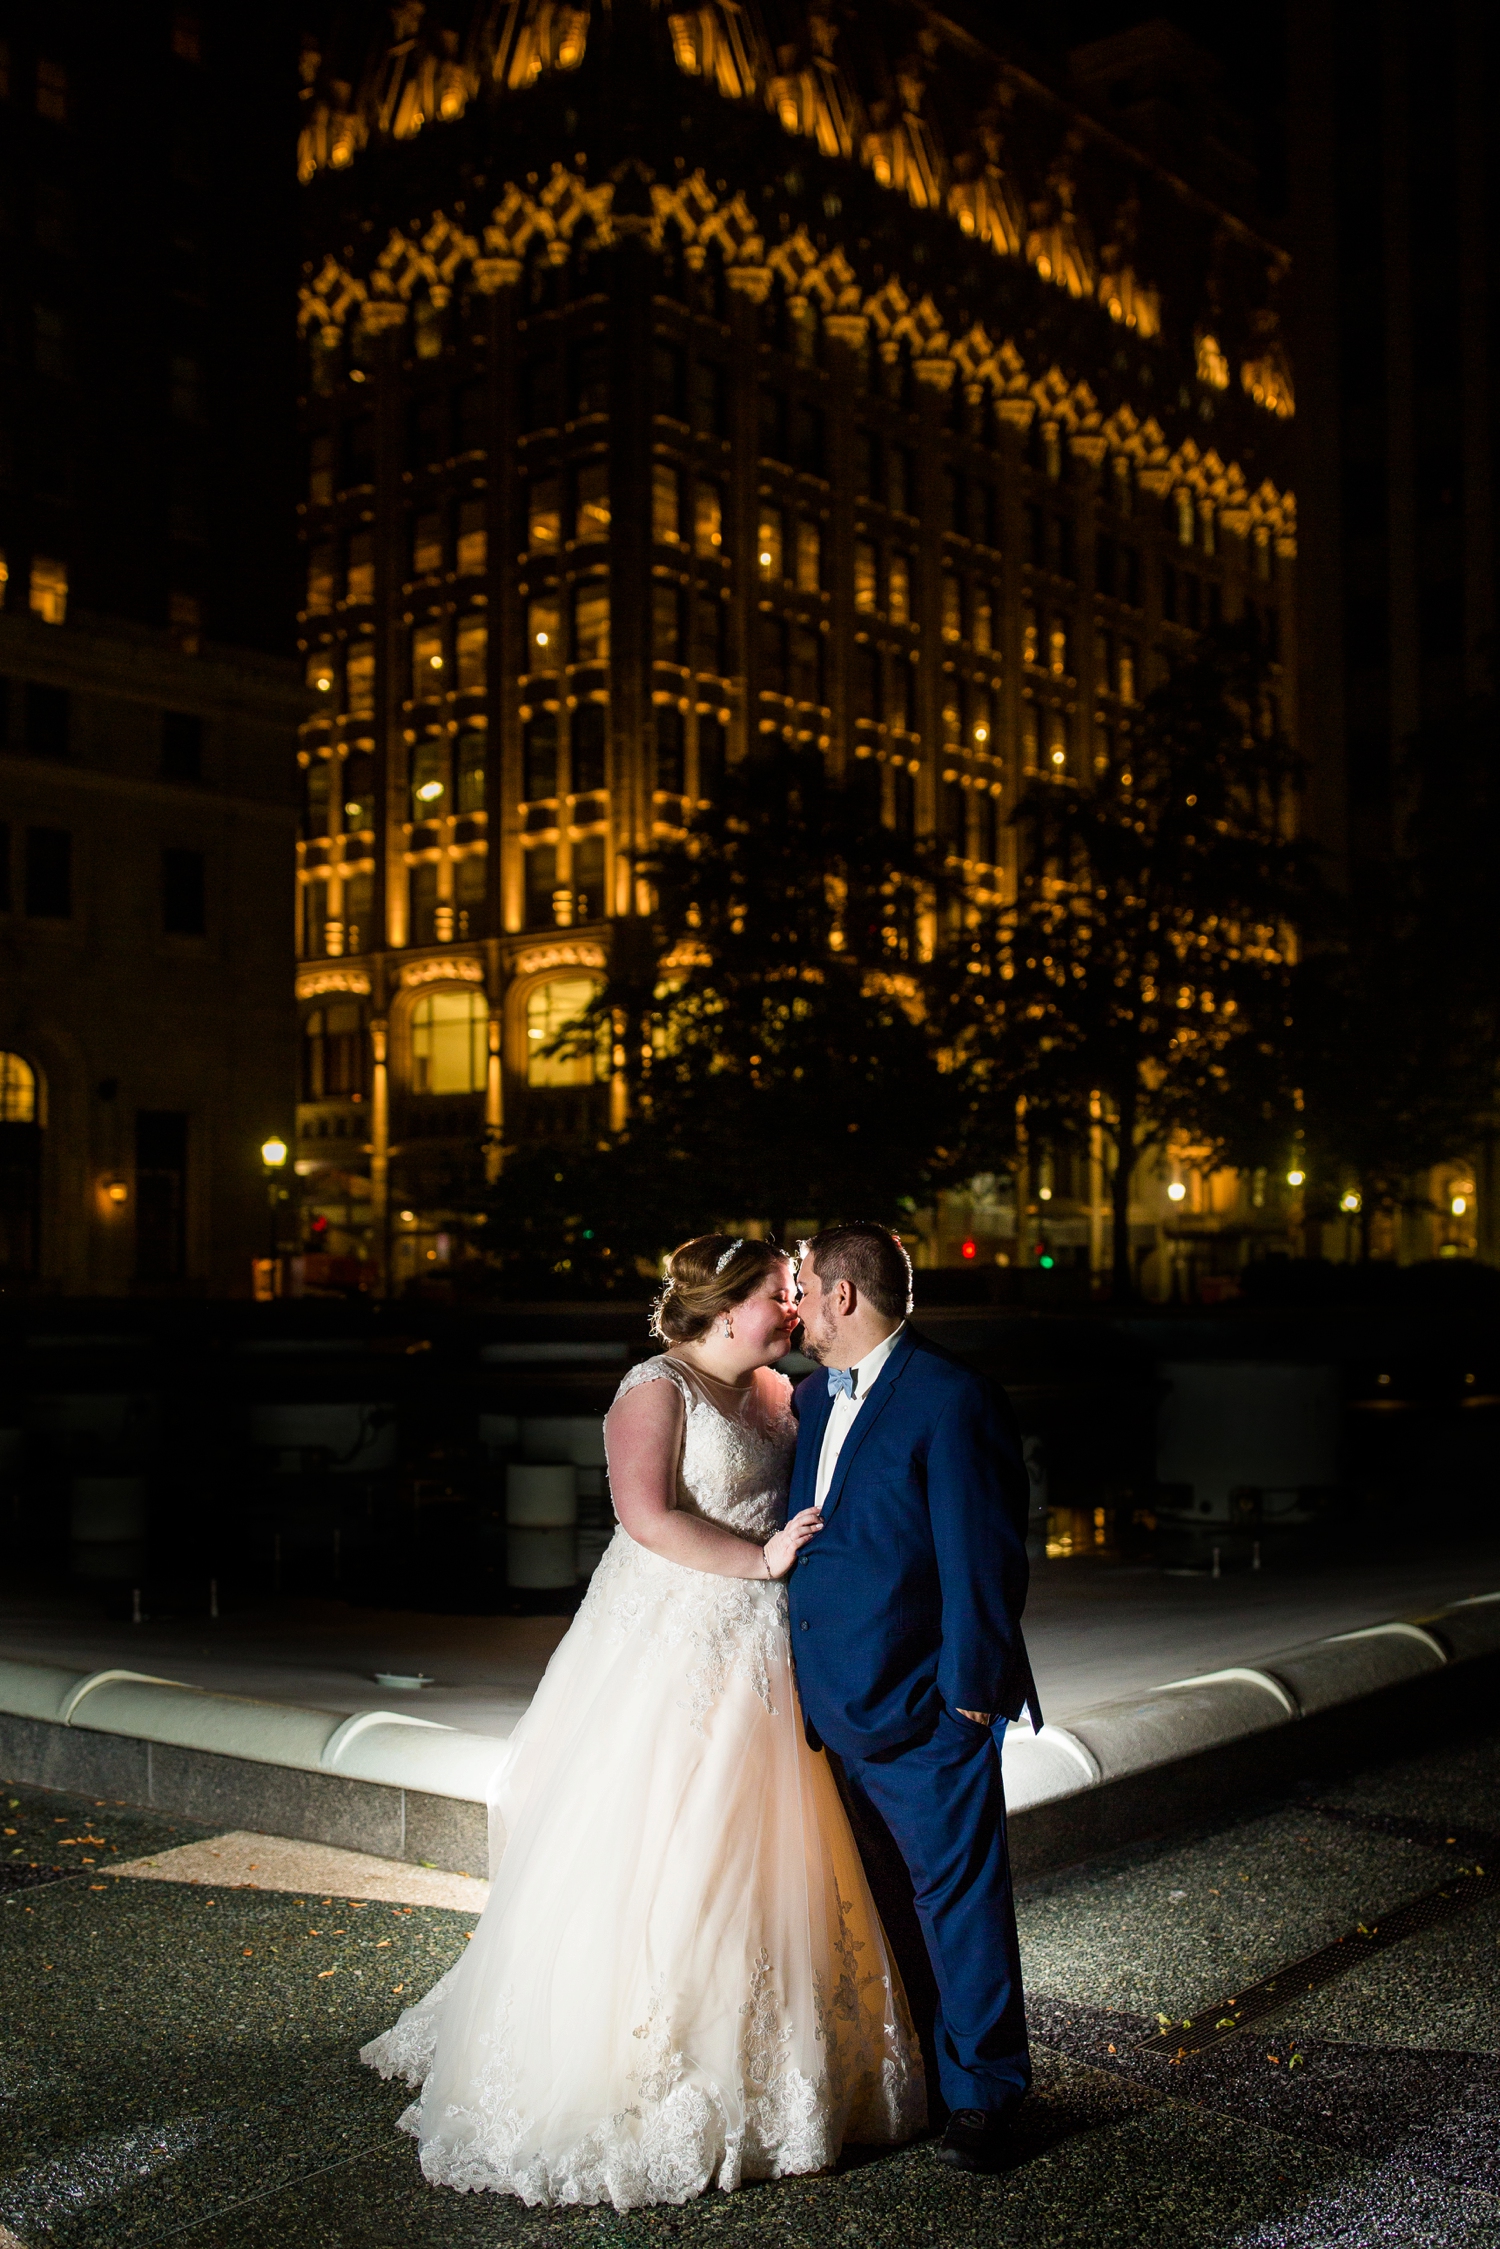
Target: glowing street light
273 1152
1295 1178
1459 1205
1176 1192
1349 1203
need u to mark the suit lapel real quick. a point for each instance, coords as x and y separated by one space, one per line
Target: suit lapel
811 1425
865 1420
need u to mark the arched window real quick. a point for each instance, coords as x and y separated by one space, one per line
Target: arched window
549 1007
20 1171
17 1090
333 1052
449 1043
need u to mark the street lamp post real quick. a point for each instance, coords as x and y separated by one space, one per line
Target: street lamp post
273 1155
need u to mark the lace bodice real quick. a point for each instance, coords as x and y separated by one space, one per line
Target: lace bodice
731 1471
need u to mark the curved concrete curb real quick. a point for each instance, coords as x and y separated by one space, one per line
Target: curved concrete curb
407 1787
1117 1740
376 1745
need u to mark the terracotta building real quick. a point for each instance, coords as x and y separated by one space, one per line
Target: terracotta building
675 379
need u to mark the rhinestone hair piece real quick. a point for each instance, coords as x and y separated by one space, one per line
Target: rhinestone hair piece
736 1244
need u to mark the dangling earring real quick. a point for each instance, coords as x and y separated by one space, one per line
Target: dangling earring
728 1329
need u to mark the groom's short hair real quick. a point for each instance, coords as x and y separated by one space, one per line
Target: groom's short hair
871 1259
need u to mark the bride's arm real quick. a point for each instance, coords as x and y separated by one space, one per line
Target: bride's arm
642 1436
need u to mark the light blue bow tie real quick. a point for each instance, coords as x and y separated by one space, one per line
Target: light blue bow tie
841 1382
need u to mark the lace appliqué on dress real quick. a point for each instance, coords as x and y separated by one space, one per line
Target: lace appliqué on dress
730 1472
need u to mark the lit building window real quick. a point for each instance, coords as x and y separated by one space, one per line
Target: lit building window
549 1009
472 642
866 575
665 503
981 731
427 660
4 577
1057 646
953 607
591 519
185 617
1184 519
982 620
361 570
320 672
544 634
769 544
49 590
429 777
544 515
449 1042
320 580
591 625
472 753
1028 636
809 557
359 680
473 541
708 519
1128 671
333 1052
898 590
17 1090
427 545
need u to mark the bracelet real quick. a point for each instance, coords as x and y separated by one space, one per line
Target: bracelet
765 1557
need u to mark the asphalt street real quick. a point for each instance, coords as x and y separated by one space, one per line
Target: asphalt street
177 2059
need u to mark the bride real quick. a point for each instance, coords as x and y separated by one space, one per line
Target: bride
680 1978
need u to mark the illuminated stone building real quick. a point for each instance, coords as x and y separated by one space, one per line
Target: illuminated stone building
679 379
148 695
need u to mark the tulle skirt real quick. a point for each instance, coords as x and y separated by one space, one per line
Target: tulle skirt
680 1978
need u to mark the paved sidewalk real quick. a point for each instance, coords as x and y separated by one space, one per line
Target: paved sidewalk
1098 1631
179 2056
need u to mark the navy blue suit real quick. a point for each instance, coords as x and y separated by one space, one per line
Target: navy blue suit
905 1609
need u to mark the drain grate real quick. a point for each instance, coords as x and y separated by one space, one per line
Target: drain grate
1216 2025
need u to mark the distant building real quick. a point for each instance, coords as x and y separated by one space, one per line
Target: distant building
1395 185
148 701
666 390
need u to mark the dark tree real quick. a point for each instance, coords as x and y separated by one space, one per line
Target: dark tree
1398 1020
1146 965
772 1025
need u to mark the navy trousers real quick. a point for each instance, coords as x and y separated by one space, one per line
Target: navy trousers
930 1822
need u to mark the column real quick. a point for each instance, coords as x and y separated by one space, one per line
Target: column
380 1152
493 1100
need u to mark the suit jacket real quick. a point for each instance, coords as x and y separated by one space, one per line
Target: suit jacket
909 1599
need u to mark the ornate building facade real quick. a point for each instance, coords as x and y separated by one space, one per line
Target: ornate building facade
678 379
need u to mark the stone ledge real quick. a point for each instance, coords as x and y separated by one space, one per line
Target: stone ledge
402 1787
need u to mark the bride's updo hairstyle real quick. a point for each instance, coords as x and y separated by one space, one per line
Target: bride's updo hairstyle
707 1277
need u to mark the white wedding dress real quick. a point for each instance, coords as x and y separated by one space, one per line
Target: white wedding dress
680 1978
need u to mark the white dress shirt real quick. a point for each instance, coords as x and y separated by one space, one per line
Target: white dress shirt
844 1408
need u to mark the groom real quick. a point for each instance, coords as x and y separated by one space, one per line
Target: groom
906 1633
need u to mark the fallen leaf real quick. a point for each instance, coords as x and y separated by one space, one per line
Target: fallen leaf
381 1943
98 1885
322 1972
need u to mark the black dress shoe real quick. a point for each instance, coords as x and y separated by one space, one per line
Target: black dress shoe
973 2140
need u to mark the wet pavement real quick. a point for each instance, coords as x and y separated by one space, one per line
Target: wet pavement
178 2064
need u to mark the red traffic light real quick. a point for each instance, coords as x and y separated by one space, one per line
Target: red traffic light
969 1249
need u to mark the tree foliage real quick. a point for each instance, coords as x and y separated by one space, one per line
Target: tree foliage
772 1025
1144 974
